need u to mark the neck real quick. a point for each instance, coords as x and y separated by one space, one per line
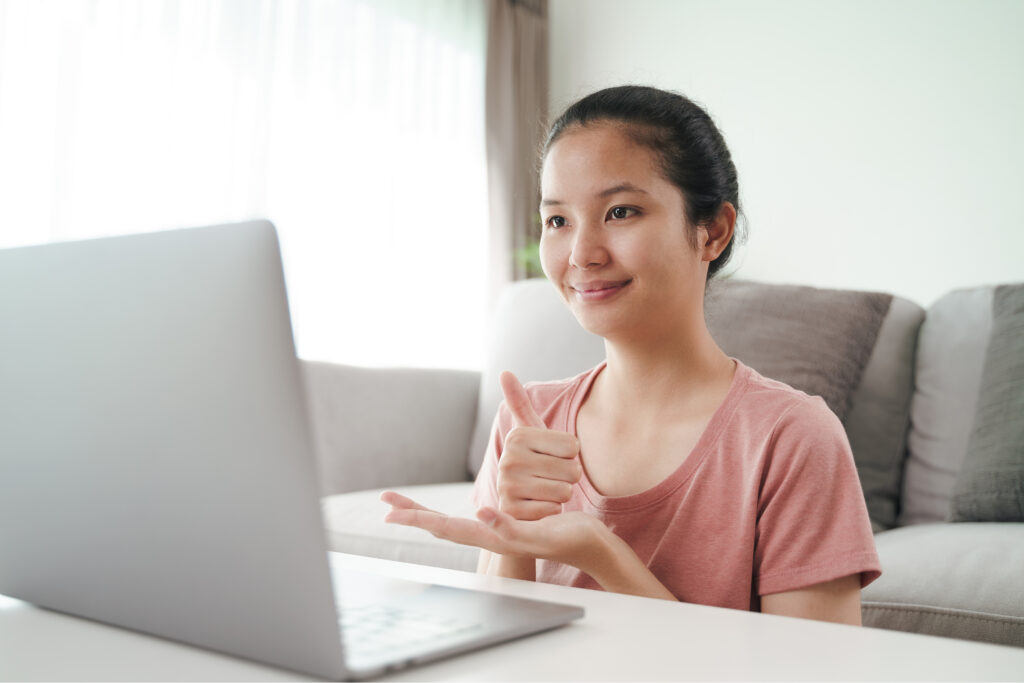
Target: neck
669 372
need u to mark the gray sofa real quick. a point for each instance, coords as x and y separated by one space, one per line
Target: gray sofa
919 415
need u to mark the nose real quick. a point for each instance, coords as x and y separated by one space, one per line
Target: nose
588 247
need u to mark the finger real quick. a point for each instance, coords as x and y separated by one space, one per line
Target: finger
548 490
455 529
531 510
424 519
491 516
518 402
397 500
543 442
507 528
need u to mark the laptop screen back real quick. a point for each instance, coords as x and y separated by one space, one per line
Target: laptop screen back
155 465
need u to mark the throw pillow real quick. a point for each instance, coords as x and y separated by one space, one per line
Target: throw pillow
990 484
815 340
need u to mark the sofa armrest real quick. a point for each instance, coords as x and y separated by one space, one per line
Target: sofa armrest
383 427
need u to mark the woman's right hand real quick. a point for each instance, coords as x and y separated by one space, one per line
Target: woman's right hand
538 466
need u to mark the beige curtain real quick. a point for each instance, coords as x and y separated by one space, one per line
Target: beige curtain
516 113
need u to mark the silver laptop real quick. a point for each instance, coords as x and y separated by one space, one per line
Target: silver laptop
156 468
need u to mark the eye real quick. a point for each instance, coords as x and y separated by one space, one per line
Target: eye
555 222
621 213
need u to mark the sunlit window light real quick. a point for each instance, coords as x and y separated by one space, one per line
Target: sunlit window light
355 126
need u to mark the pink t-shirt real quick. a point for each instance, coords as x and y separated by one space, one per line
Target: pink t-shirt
768 500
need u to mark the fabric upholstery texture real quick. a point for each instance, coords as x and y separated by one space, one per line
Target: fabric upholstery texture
947 377
949 623
355 524
815 340
957 580
374 427
990 485
878 419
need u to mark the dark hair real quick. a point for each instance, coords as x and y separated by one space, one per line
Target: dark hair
691 150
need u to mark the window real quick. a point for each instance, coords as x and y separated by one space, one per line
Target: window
355 125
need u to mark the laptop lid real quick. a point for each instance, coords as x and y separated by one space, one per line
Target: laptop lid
155 466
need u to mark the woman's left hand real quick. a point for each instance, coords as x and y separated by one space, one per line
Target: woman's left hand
572 538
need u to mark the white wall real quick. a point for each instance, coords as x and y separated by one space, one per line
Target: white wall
879 143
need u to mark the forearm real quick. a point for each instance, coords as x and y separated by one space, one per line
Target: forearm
509 546
618 569
508 566
594 549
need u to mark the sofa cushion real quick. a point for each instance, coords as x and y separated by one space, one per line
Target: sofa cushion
355 525
950 356
878 422
815 340
990 485
955 580
377 427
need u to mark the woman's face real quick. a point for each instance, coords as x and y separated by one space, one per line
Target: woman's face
615 241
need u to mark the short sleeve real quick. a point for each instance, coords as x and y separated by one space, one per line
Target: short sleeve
813 523
485 489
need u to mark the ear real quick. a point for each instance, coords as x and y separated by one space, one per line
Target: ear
716 235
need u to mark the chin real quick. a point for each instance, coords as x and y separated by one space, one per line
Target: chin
599 323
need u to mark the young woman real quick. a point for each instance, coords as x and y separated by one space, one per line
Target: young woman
670 470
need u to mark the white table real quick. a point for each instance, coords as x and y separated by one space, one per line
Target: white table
621 638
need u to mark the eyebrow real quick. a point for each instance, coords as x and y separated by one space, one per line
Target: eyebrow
617 189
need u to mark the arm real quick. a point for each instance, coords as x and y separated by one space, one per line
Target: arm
510 567
836 601
621 572
813 515
618 569
572 538
483 563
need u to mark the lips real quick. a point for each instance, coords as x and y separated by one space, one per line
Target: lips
599 290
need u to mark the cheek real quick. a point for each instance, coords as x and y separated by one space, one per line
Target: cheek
551 259
673 257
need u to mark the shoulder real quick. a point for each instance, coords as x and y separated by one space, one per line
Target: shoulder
784 404
798 446
786 418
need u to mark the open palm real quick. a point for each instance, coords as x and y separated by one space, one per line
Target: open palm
569 537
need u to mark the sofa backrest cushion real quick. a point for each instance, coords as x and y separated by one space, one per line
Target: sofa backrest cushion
990 485
816 340
535 336
377 427
950 357
879 418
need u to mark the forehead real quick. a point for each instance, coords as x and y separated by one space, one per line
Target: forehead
586 159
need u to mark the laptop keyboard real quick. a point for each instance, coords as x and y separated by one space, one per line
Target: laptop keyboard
369 630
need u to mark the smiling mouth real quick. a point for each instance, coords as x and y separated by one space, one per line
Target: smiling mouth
599 291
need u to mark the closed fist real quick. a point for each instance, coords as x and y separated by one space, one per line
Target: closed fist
538 466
